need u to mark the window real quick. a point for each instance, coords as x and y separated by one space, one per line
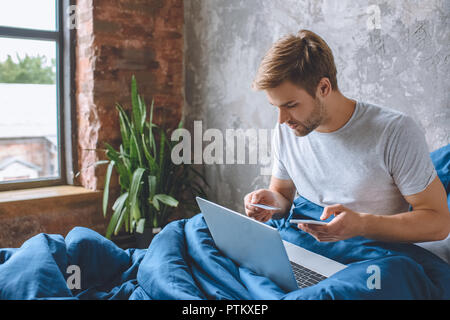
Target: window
33 63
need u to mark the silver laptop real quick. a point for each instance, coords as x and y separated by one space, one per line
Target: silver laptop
259 247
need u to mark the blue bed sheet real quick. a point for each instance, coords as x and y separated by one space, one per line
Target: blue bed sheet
183 262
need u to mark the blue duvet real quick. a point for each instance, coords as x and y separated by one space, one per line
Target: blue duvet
182 262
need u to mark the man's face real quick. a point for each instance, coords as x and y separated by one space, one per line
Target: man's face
297 109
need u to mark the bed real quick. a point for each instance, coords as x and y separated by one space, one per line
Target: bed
183 263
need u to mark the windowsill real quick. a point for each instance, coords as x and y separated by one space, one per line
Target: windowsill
38 194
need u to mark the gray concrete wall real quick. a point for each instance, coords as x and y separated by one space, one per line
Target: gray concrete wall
400 60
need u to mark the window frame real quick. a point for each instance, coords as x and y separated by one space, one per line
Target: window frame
64 41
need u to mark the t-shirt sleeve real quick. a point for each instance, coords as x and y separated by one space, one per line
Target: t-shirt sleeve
408 158
278 169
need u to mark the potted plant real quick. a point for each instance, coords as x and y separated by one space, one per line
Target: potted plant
150 183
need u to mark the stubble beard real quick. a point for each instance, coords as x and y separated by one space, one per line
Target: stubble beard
315 119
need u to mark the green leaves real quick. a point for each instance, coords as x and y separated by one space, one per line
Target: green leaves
106 189
28 69
138 108
152 186
135 152
166 199
120 210
150 182
140 226
134 189
125 126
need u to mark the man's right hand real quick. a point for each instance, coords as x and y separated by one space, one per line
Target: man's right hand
262 196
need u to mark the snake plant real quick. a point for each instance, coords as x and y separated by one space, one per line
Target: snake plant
150 182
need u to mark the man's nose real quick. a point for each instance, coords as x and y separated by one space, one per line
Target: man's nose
282 116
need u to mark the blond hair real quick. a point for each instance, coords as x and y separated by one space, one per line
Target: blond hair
304 59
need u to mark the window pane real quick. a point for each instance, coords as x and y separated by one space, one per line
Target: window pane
33 14
28 110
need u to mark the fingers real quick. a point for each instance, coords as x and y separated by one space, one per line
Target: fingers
318 232
333 231
330 210
325 239
313 229
262 215
262 196
251 211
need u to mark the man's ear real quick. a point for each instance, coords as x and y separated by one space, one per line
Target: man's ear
323 88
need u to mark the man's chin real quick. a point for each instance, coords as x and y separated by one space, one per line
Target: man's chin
301 132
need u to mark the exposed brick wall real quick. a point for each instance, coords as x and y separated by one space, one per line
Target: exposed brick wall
21 220
116 39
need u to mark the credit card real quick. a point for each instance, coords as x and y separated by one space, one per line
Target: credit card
263 206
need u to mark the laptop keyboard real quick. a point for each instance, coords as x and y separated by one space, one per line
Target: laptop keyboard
305 277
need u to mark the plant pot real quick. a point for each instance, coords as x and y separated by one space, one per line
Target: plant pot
144 239
124 240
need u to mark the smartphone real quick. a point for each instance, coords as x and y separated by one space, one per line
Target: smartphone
306 221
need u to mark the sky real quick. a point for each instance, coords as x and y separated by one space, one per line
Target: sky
27 109
34 14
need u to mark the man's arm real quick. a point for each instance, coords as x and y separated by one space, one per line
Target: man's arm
408 160
285 190
429 220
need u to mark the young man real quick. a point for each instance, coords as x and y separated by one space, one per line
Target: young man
364 164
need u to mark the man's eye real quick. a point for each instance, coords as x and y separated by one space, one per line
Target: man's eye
292 106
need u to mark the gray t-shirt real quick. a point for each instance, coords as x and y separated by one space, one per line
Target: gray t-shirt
368 165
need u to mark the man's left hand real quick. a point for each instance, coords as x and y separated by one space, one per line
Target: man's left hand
345 225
